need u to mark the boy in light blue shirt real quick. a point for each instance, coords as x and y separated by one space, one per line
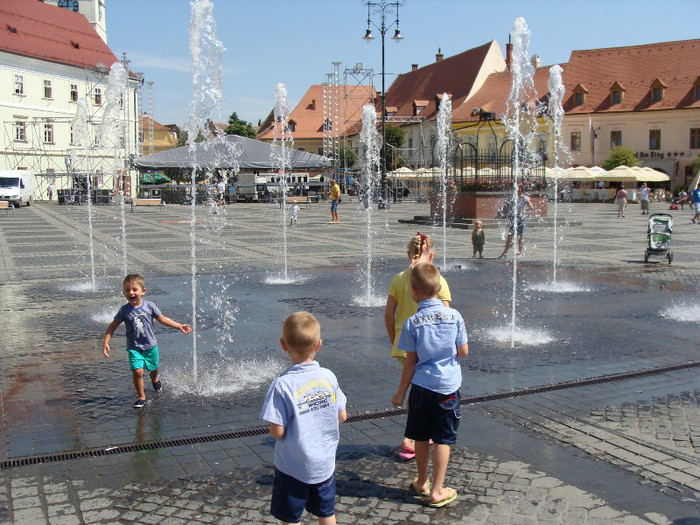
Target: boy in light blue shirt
433 339
304 407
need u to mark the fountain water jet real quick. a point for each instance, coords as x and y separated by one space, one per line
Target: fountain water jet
81 141
556 115
207 97
444 129
370 139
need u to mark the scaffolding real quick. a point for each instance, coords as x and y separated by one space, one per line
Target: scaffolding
29 144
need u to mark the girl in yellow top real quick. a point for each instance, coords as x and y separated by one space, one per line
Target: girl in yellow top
400 306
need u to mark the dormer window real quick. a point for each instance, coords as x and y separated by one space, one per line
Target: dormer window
696 88
418 106
291 126
657 91
617 92
579 95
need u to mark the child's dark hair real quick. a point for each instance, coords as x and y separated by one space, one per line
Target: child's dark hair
135 278
419 244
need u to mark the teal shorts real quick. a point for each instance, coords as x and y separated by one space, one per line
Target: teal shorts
147 359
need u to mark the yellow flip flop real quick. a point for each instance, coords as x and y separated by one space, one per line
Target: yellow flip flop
452 495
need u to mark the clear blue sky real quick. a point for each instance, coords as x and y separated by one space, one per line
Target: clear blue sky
295 42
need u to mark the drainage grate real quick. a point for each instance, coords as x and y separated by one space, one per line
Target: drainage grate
357 416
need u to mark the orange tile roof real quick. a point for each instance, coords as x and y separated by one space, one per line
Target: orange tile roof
38 30
156 125
493 95
308 114
675 65
454 75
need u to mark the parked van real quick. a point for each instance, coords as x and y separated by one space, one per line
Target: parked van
17 187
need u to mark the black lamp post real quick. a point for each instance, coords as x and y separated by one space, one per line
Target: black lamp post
380 8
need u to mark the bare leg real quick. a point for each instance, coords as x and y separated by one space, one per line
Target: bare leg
330 520
422 460
154 375
137 376
509 242
441 457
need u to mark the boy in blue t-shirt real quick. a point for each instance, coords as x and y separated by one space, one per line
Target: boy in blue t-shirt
433 339
141 345
304 407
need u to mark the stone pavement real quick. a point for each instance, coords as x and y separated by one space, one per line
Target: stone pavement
601 427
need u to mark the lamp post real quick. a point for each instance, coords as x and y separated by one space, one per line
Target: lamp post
381 7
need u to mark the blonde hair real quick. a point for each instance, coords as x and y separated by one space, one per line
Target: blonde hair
301 332
419 244
478 223
425 278
136 279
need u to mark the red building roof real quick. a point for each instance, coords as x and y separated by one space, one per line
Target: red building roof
38 30
674 66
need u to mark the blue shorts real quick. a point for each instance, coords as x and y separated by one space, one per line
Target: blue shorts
521 227
290 497
433 416
334 205
148 359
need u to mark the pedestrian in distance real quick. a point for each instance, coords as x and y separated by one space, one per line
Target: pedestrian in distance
335 200
644 194
400 305
304 407
294 213
141 344
478 239
621 200
434 339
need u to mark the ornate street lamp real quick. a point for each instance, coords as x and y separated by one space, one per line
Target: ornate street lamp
381 7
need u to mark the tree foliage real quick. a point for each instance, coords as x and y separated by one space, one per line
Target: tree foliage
347 157
395 137
620 156
696 165
237 126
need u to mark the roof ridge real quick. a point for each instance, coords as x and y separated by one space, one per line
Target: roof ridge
637 46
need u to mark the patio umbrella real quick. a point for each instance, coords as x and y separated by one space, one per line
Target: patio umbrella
621 174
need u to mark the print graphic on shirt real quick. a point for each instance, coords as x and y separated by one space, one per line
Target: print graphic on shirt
314 395
433 317
140 328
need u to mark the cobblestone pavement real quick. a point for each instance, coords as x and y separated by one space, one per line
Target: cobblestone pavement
601 427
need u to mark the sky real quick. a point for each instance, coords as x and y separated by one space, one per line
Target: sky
296 42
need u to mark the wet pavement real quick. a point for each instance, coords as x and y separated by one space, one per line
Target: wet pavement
592 417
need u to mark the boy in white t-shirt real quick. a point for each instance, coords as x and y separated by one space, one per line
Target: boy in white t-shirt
304 407
294 213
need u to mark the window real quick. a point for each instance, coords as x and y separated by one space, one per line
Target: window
616 97
695 138
615 138
19 85
657 94
98 96
579 98
320 151
654 139
48 89
74 92
697 92
20 131
575 141
48 133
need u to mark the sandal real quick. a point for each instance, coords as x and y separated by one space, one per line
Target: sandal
452 495
407 454
424 494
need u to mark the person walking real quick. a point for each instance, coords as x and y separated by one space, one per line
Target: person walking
621 200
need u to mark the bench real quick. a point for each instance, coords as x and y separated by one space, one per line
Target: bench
8 207
299 200
146 202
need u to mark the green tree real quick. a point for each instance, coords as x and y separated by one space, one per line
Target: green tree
620 156
182 139
696 164
236 126
395 137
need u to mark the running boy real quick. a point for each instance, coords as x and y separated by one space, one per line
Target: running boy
304 407
141 345
433 339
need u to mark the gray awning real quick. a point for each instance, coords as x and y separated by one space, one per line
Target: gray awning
221 153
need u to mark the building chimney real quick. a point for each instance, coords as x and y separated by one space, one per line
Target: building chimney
535 61
509 54
414 67
439 56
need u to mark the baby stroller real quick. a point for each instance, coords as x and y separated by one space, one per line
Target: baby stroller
659 236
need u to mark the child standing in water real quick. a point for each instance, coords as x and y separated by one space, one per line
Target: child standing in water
400 306
294 212
141 345
478 239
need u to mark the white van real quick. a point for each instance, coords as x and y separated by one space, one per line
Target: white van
17 187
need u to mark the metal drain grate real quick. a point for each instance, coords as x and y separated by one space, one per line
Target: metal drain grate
357 416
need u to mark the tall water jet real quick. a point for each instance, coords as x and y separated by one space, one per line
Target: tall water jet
82 143
370 139
556 116
444 134
113 132
206 102
281 153
520 125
